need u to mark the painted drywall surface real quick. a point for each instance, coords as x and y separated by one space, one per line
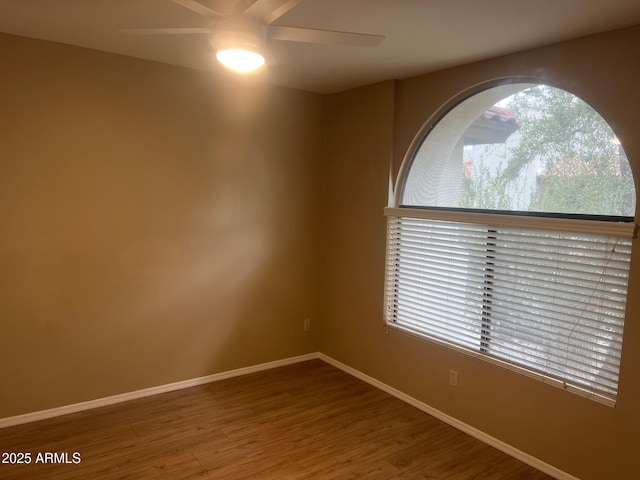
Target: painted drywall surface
156 224
574 434
359 136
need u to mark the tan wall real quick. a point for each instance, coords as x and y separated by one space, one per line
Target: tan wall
574 434
156 224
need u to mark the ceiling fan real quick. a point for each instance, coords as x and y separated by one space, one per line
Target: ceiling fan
239 38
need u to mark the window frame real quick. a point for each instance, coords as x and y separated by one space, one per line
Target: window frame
620 226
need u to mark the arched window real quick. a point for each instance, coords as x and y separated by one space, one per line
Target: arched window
511 237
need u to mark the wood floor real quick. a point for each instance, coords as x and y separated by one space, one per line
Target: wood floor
305 421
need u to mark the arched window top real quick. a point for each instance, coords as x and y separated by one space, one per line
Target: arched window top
522 148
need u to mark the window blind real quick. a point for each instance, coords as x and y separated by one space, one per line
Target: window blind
547 301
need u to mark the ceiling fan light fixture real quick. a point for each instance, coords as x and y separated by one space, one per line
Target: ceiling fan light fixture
240 60
239 44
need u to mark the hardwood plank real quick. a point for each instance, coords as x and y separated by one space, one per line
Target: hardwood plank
304 421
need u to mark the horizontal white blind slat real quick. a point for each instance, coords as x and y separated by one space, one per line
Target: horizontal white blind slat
549 301
622 229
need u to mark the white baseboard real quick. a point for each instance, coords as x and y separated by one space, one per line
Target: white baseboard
468 429
147 392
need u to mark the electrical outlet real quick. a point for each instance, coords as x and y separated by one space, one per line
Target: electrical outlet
307 324
453 378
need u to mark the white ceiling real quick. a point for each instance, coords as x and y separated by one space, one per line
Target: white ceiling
421 35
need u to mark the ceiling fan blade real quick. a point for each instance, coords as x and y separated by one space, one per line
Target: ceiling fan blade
270 10
199 8
166 31
311 35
